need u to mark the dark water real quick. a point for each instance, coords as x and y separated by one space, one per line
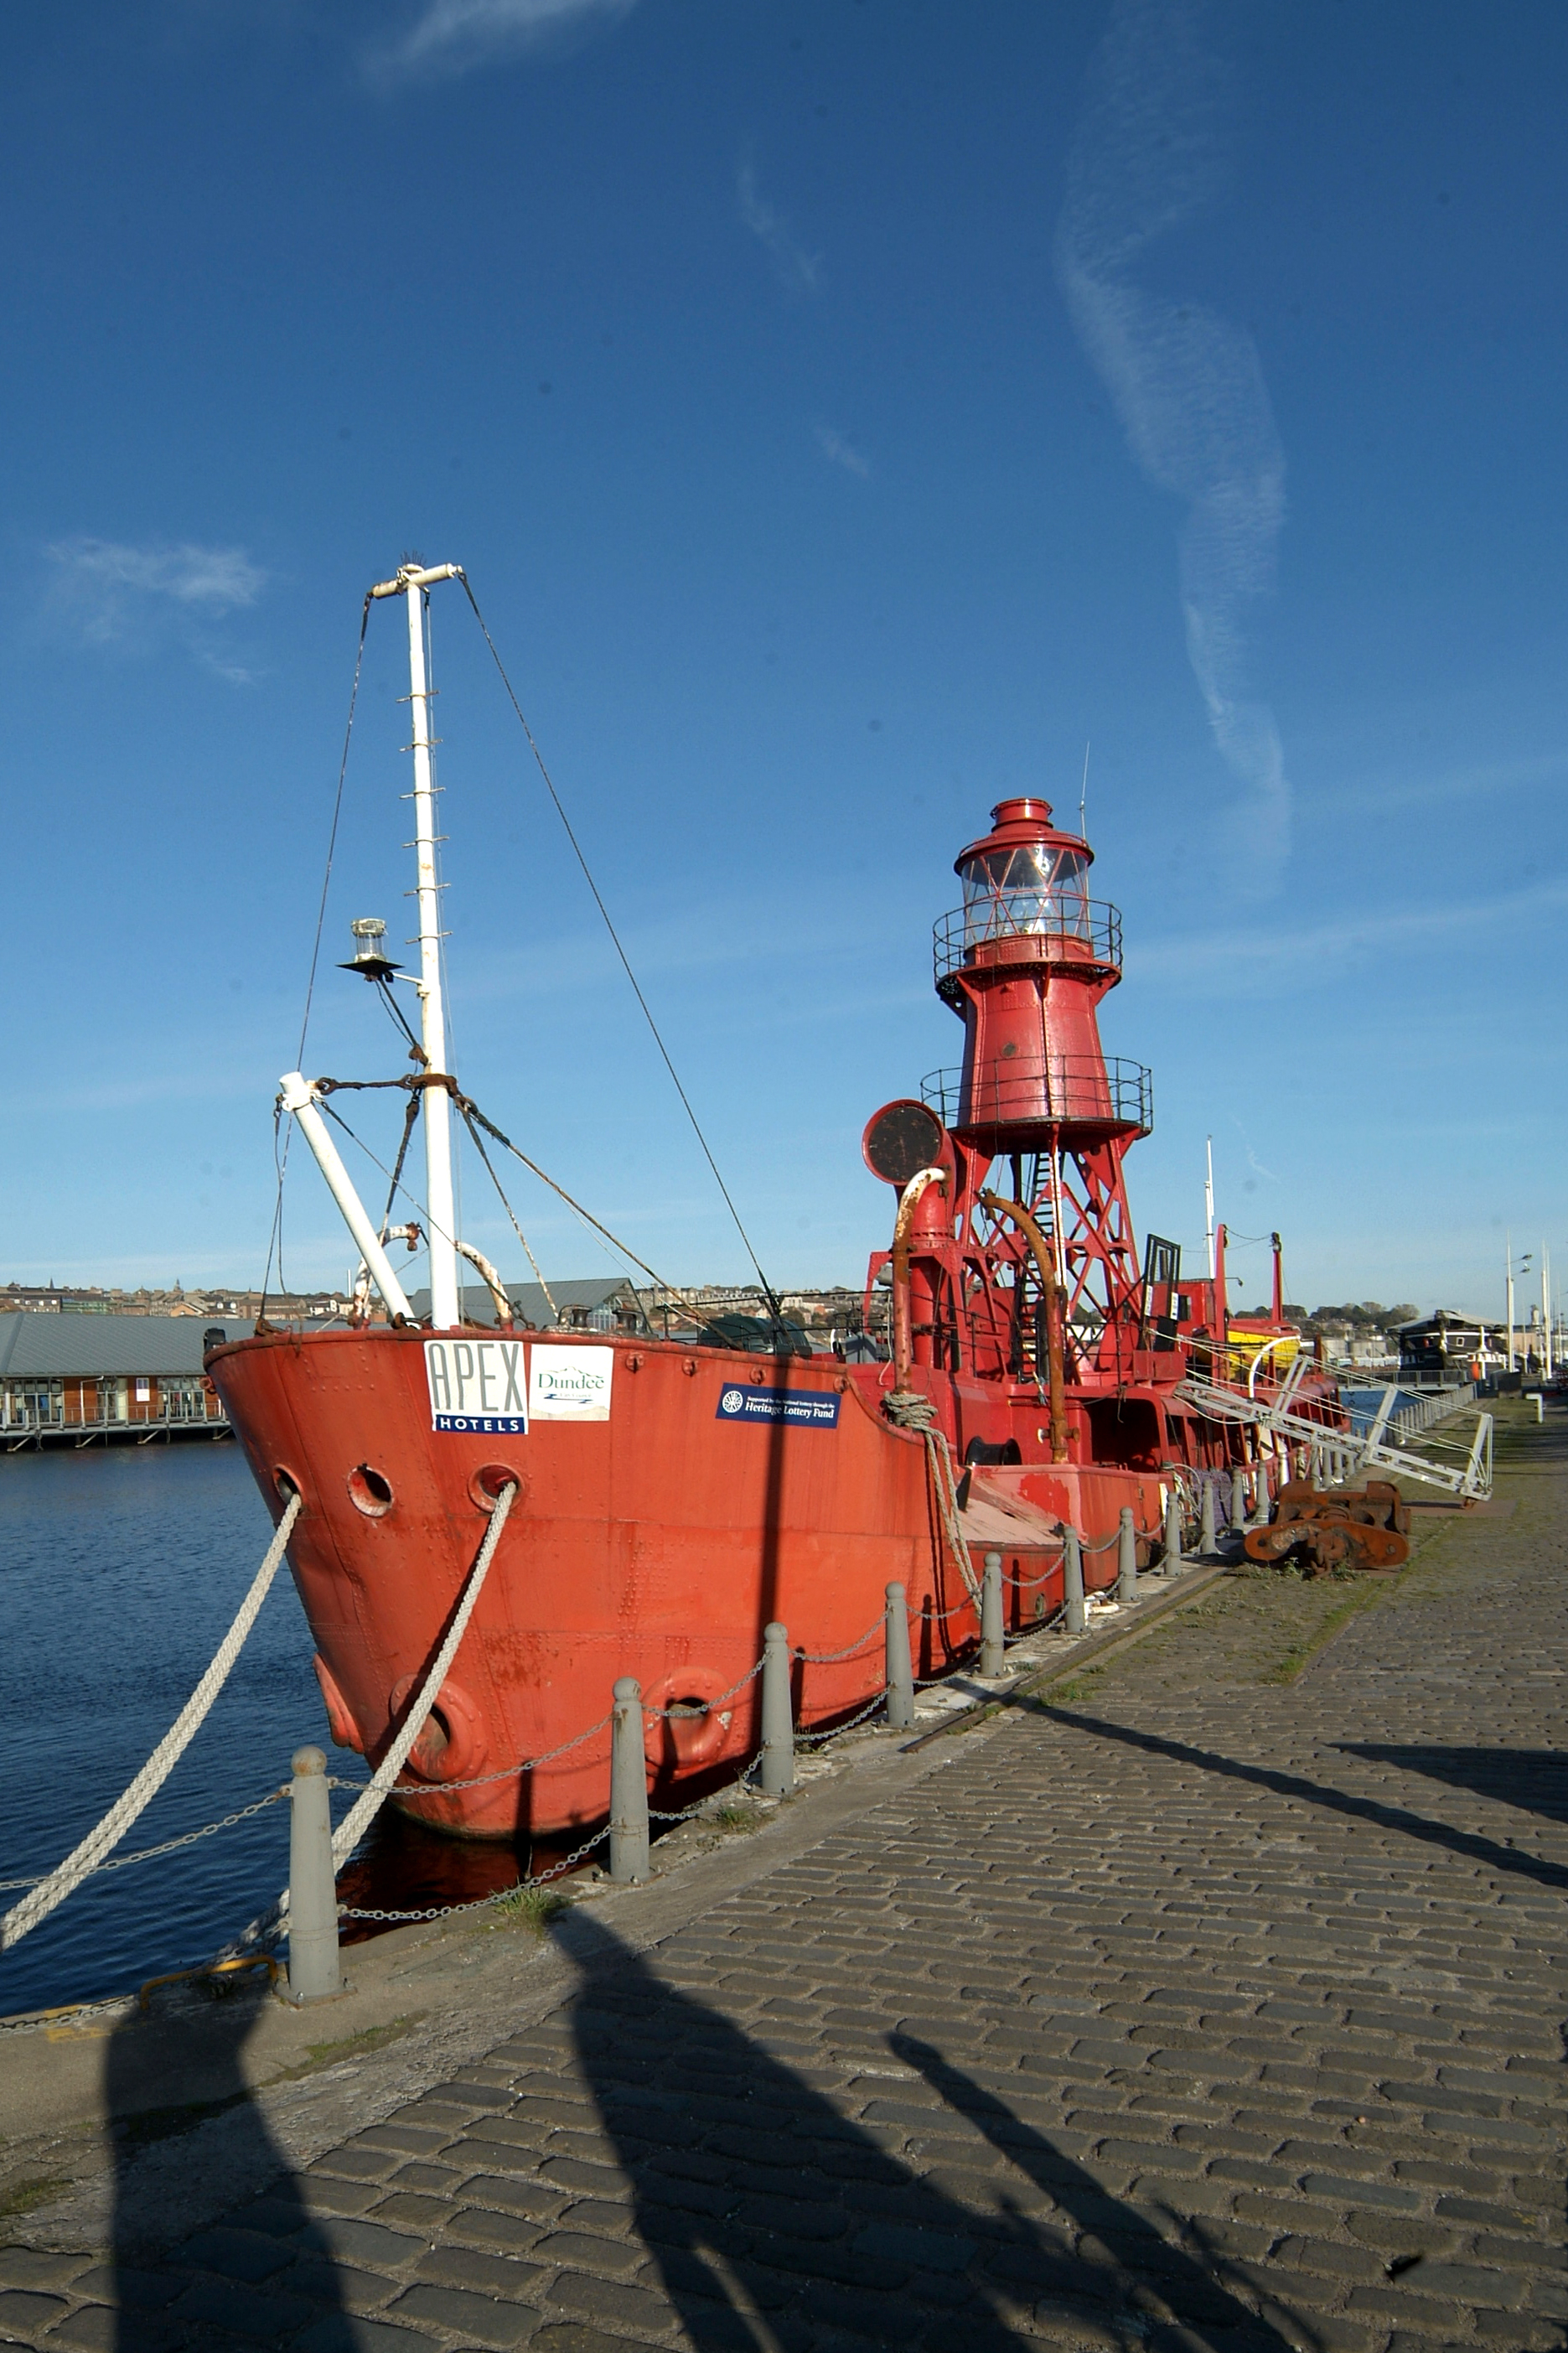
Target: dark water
119 1571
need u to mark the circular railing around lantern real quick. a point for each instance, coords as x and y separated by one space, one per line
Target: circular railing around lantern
1082 935
1109 1094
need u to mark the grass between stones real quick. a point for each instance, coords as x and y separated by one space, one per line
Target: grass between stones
22 2196
529 1907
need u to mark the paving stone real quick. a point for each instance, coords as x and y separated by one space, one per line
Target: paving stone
235 2254
123 2283
488 2274
347 2332
260 2314
576 2337
513 2196
612 2301
105 2328
29 2309
584 2251
40 2267
476 2319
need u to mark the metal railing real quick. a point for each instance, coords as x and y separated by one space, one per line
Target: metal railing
1102 1091
1083 933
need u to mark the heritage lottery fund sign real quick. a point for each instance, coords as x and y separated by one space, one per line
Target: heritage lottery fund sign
490 1388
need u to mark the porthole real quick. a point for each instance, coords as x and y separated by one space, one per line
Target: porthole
370 1491
486 1484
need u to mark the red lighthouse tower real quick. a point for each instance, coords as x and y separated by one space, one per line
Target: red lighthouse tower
1026 1282
1024 962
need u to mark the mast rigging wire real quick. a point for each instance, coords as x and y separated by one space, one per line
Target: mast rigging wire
467 1110
768 1291
332 836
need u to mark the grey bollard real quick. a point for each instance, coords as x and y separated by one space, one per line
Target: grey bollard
1072 1581
900 1674
1260 1494
1238 1497
629 1783
1208 1533
778 1717
315 1973
993 1652
1126 1557
1172 1564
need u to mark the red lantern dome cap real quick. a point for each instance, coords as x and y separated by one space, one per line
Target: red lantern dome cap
1017 822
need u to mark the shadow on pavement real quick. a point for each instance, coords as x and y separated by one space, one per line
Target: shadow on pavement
1533 1780
773 2218
156 2301
1513 1861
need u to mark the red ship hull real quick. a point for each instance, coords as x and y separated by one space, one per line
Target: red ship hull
656 1543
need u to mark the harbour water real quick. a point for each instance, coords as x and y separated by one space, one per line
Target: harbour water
119 1570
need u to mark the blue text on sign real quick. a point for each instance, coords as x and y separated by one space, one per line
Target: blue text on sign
801 1408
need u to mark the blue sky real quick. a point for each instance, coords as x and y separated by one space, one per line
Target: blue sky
844 412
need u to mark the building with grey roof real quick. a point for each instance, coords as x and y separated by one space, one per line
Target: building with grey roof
600 1303
78 1378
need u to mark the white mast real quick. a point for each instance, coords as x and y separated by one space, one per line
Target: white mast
1546 1310
1208 1211
445 1314
1508 1289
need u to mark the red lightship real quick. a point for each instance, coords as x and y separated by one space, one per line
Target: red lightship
675 1494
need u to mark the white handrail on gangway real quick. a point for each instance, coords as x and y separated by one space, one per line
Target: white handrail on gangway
1468 1476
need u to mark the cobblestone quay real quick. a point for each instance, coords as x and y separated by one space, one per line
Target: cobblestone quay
1214 2002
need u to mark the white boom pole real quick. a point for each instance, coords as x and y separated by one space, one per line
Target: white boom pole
299 1098
1208 1211
446 1311
1508 1259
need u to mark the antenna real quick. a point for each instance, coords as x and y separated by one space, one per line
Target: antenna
1083 795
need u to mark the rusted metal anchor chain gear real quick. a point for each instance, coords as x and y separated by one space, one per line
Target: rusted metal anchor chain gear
1362 1528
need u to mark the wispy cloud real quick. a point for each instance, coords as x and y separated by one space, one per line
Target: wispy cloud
840 451
1186 384
1485 780
108 592
1280 956
453 37
797 270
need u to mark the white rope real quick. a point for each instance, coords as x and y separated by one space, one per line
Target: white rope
109 1832
947 1509
361 1813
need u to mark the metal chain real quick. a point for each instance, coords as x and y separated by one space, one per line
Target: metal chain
107 1833
815 1739
169 1846
507 1772
831 1657
496 1895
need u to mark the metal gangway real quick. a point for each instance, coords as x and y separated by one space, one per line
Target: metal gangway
1459 1466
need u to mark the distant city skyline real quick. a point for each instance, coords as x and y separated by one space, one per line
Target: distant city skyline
846 415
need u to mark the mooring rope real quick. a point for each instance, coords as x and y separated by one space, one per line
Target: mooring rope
108 1833
363 1812
269 1925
